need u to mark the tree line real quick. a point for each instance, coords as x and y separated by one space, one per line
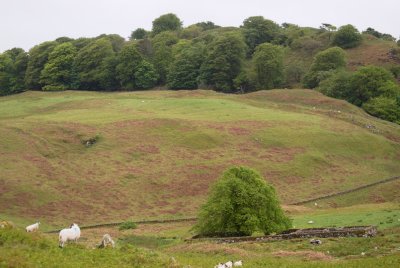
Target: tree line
251 57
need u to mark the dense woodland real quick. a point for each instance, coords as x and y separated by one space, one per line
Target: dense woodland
204 55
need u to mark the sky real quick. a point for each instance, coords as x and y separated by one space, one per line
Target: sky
25 23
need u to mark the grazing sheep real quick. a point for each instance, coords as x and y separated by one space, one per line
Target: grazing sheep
315 242
6 224
32 228
71 234
219 265
229 264
310 222
238 263
107 240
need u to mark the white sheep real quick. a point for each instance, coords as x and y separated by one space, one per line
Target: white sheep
238 263
107 240
310 222
229 264
71 234
32 228
220 265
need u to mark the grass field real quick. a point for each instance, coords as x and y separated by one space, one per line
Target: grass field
155 155
157 152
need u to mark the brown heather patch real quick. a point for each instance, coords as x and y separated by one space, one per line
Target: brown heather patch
304 254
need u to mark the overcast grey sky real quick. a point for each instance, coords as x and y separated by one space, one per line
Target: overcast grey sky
25 23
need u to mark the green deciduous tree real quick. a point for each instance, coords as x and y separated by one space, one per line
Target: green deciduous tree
325 64
145 75
138 34
223 62
59 73
369 82
90 63
162 53
167 22
128 60
258 30
13 64
241 203
38 57
347 37
268 66
384 107
185 69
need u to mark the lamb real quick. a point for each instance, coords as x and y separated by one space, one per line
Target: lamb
107 240
238 263
32 228
71 234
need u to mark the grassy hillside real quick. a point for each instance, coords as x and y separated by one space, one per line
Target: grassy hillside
157 152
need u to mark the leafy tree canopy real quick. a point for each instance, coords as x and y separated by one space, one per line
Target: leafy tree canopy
257 30
241 203
167 22
347 37
59 73
268 66
223 62
138 34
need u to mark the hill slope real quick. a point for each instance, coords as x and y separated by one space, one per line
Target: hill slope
157 152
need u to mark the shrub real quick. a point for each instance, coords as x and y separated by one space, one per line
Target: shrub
240 203
347 37
384 107
127 225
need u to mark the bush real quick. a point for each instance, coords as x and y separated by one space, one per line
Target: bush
337 86
325 64
127 225
347 37
384 107
240 203
369 82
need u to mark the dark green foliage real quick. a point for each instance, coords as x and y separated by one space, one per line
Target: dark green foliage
223 62
127 225
128 60
167 22
257 30
207 25
325 63
243 82
90 63
117 41
268 66
294 72
145 75
59 73
185 69
337 86
13 65
330 59
347 37
190 32
38 57
384 107
369 82
162 53
138 34
373 32
241 203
